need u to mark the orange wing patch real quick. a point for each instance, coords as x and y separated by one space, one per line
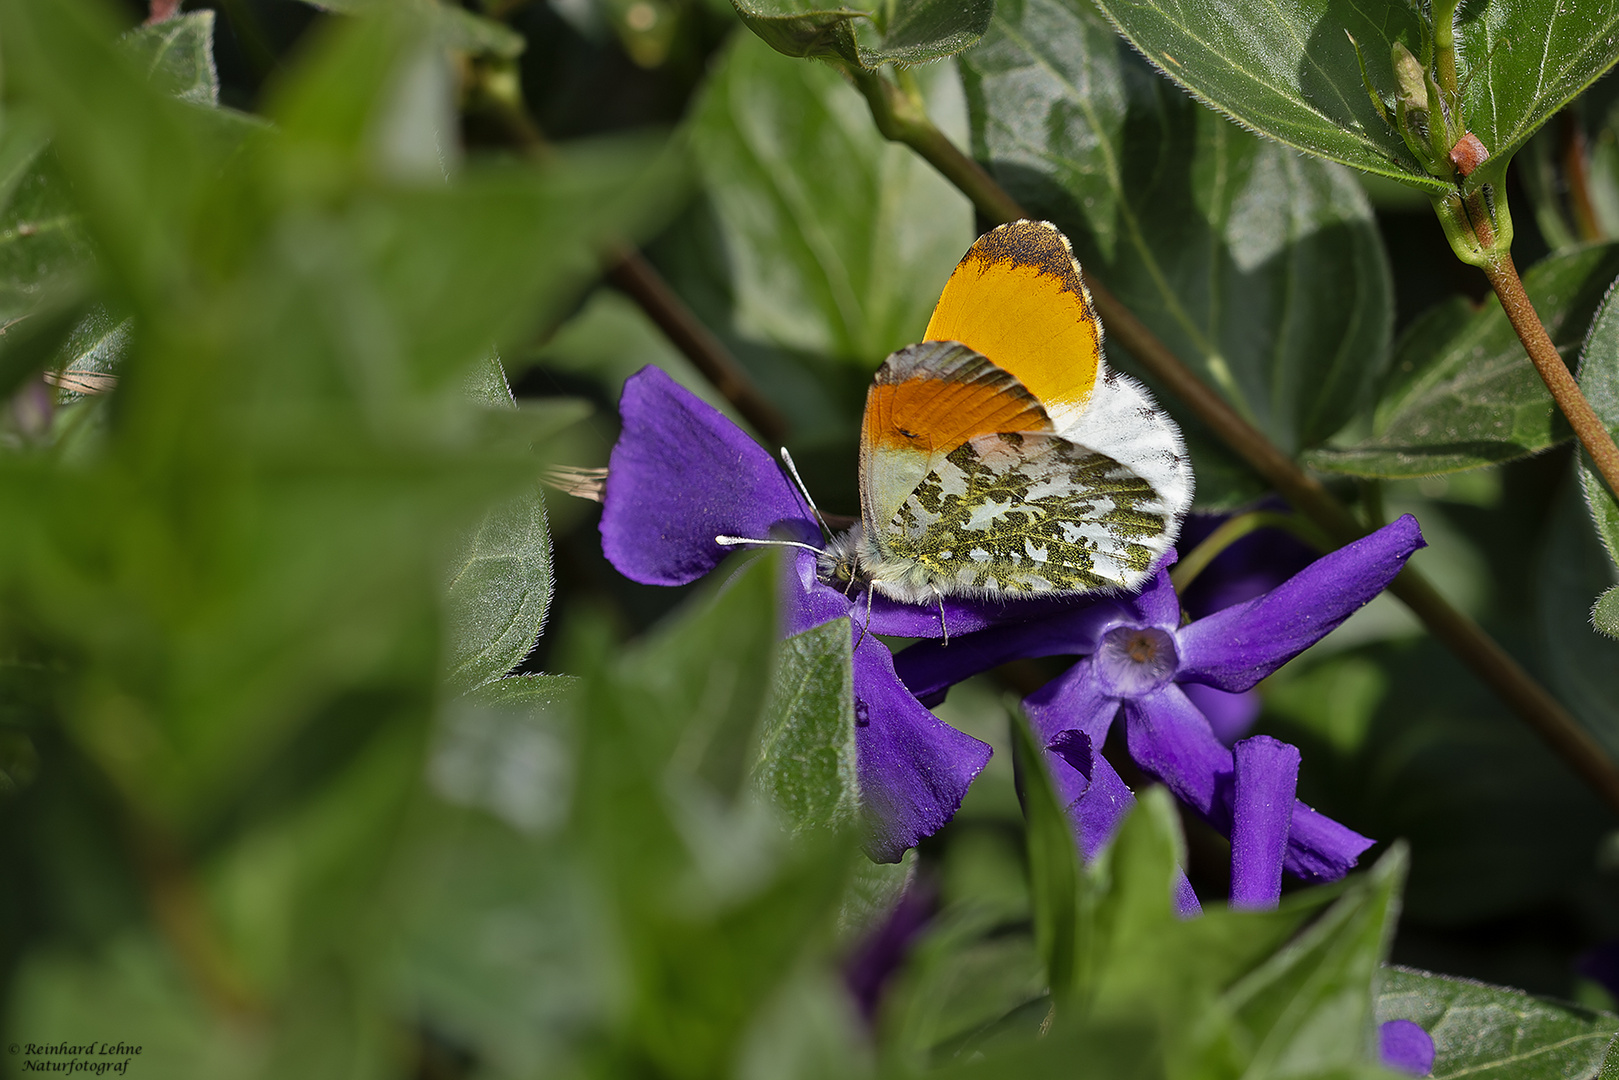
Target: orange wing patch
941 414
1017 298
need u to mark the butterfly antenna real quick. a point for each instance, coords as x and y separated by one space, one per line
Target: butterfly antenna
804 491
734 541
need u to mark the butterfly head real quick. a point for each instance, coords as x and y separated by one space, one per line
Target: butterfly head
842 562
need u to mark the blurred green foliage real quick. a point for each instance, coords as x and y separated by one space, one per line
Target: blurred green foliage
284 790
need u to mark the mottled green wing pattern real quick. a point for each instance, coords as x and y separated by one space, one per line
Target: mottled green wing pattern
1010 513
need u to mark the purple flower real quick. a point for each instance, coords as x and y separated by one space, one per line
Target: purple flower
1140 660
882 951
680 475
1253 564
1405 1047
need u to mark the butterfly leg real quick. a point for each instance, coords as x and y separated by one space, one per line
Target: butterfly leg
944 627
866 627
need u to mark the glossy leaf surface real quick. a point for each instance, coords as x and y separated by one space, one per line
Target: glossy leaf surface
1493 1032
904 31
839 241
1462 393
178 56
807 748
1261 269
1292 73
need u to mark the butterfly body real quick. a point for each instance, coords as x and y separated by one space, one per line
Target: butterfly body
1000 458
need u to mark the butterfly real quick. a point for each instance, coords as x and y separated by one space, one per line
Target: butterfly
1000 458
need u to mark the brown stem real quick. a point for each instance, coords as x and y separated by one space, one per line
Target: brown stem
1508 286
1577 171
641 282
901 118
182 915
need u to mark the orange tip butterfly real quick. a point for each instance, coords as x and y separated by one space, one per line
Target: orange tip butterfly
1000 458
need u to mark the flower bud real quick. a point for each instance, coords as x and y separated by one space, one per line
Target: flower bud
1409 74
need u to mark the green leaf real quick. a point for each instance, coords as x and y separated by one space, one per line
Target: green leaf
1581 667
29 343
454 27
1493 1033
1261 269
807 748
1063 901
178 56
89 360
499 591
713 905
703 680
839 241
502 941
470 32
1292 73
1309 1007
42 235
1462 393
319 425
1401 741
1605 613
508 747
900 31
331 1028
1599 381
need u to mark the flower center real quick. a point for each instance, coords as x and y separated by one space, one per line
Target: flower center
1136 660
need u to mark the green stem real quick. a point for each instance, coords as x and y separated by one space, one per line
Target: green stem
903 118
1444 41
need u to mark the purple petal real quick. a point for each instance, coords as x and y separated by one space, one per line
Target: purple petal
961 616
1098 813
1158 604
1073 701
914 768
1063 712
1070 761
1172 741
1406 1047
1319 849
885 948
807 601
1267 777
1186 904
1254 564
1233 649
681 474
1229 715
931 667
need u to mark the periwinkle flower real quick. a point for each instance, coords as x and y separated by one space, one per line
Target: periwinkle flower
1253 564
1138 659
680 475
1404 1047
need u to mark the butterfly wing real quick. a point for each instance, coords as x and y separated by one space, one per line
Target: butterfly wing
927 400
1012 514
1017 297
1018 464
